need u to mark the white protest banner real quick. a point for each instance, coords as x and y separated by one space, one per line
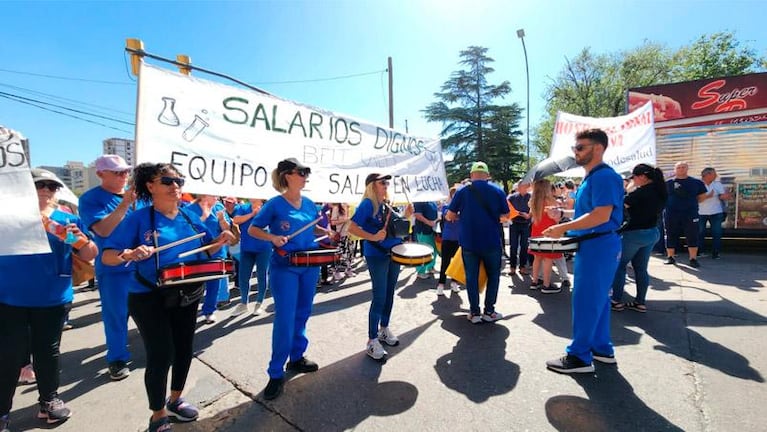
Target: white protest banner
631 138
226 141
20 226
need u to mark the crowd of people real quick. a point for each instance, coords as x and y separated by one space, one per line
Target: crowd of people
137 226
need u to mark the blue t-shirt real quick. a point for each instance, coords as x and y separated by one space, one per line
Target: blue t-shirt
480 230
521 203
427 210
248 243
93 206
371 222
450 230
40 280
136 229
211 222
601 187
283 219
683 196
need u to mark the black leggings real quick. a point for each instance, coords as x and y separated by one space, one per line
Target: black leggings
24 330
449 248
168 335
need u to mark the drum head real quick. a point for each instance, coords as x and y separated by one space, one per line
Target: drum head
412 249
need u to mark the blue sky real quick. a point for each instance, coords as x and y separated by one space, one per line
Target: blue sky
266 42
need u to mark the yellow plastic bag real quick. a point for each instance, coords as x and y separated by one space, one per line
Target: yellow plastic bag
457 272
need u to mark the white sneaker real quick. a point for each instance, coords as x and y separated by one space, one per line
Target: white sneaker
475 319
440 289
257 308
350 273
375 350
386 336
455 287
337 276
240 309
423 276
210 319
495 316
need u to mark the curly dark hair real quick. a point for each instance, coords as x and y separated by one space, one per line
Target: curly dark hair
146 172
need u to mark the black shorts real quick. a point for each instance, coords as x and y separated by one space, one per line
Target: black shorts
675 225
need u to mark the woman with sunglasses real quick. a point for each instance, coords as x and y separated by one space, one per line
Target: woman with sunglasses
369 223
293 288
35 296
165 316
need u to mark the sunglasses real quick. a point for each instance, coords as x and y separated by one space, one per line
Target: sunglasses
383 182
120 173
579 148
167 181
51 186
303 172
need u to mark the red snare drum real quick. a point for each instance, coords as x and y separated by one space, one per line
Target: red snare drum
314 258
196 271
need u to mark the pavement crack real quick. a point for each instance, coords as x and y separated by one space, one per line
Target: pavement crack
699 394
245 393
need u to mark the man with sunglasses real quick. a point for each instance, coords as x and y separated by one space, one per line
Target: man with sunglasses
598 210
102 208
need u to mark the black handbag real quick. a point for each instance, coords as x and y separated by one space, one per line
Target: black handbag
398 227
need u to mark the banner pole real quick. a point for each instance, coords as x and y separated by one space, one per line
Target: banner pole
136 48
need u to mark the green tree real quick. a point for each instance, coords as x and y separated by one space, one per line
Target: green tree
715 55
473 126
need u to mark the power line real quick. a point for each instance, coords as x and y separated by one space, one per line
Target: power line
61 98
64 78
66 108
322 79
65 114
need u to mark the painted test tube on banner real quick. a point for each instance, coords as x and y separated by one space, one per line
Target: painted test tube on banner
194 129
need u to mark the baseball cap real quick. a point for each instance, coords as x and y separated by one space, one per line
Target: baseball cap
375 177
230 199
479 167
39 174
290 164
111 163
641 169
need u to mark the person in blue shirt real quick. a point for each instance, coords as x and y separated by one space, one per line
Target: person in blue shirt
369 223
253 252
681 215
479 208
213 215
292 287
450 235
35 296
166 316
598 210
426 216
102 208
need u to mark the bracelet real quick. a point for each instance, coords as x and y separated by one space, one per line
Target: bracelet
83 246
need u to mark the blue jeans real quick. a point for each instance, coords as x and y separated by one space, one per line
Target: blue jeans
383 275
716 231
519 236
247 261
637 247
213 294
492 261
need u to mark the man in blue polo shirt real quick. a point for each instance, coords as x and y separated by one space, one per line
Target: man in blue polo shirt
681 215
598 210
102 209
479 207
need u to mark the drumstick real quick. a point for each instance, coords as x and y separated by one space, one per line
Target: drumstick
319 239
171 244
199 249
304 228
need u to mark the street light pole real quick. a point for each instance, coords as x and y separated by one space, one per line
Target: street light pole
521 35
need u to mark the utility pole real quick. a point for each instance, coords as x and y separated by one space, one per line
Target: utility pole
521 35
391 96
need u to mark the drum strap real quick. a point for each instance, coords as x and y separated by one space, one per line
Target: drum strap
484 205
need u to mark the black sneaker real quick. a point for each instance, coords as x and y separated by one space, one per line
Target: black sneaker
54 411
303 365
182 410
537 284
569 364
670 260
566 284
604 358
694 263
118 370
273 388
551 289
160 425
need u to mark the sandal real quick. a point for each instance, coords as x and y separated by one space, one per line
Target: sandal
639 307
616 306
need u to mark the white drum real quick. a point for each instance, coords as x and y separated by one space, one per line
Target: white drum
412 254
553 245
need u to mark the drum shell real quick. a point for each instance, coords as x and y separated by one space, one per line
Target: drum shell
195 271
314 258
548 245
400 255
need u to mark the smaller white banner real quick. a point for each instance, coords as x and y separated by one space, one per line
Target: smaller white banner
632 138
20 226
